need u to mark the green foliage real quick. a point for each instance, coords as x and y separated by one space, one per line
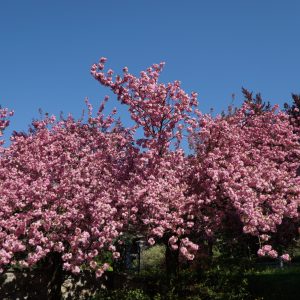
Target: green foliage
122 294
223 283
228 276
153 259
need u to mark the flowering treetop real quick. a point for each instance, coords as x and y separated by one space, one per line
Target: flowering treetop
160 109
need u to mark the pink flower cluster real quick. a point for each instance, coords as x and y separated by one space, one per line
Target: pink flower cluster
267 250
4 121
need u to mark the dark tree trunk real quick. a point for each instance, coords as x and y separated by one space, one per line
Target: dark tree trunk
56 276
210 245
172 261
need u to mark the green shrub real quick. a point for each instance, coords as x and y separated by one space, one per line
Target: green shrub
153 259
121 294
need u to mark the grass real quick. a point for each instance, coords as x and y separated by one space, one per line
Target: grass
275 284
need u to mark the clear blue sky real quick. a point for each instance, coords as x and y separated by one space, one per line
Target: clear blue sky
213 47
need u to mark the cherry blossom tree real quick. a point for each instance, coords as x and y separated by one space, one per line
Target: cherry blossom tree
71 188
157 188
59 194
245 167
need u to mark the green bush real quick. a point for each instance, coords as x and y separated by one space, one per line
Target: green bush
122 294
221 281
225 278
153 259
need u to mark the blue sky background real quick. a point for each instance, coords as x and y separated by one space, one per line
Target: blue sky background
213 47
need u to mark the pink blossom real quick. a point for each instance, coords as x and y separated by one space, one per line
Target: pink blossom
273 254
151 241
285 257
183 250
93 264
261 252
105 266
267 248
99 272
174 247
173 239
76 270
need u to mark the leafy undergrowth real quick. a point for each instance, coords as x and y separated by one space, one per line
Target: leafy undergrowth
218 283
275 284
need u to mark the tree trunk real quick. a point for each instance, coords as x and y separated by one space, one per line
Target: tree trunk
56 276
172 261
210 245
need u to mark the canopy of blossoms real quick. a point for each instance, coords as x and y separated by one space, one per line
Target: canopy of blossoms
74 187
246 164
59 188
